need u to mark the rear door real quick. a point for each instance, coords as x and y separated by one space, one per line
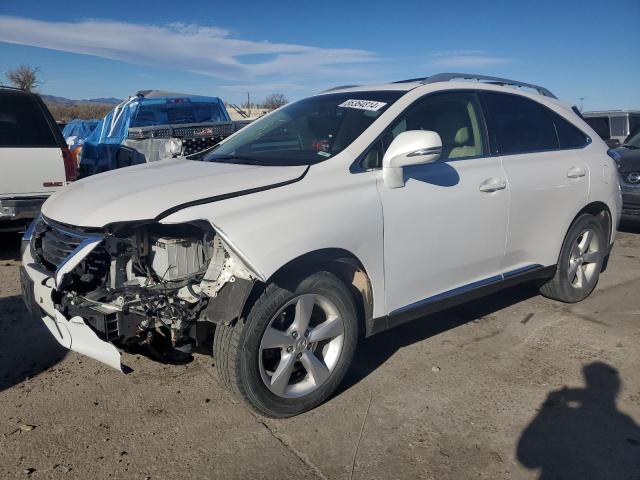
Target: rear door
30 148
548 181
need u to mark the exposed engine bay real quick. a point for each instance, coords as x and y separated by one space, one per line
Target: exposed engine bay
146 285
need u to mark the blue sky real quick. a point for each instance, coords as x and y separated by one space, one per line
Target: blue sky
85 49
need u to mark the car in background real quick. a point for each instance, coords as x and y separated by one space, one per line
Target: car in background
153 125
627 157
34 159
613 126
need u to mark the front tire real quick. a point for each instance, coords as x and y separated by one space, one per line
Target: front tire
293 349
580 262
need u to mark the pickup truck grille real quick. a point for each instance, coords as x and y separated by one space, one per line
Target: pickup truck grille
222 130
195 145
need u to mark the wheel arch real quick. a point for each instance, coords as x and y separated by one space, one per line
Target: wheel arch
341 263
601 211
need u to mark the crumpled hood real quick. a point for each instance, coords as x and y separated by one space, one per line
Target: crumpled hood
145 191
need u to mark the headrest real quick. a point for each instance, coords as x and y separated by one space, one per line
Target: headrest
462 136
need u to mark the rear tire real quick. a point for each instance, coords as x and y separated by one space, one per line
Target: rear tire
580 262
293 349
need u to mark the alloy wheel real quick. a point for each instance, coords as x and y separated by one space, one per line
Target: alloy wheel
584 258
301 346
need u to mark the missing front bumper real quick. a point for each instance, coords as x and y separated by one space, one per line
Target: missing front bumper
75 335
72 333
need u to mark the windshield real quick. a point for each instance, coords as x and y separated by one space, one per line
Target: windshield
633 140
305 132
177 111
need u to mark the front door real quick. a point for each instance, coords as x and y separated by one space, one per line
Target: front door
445 230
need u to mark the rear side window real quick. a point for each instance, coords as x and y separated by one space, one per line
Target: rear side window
569 135
519 125
22 123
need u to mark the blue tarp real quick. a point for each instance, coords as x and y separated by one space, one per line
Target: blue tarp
77 130
104 150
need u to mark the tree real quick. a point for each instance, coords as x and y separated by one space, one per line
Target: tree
275 100
24 77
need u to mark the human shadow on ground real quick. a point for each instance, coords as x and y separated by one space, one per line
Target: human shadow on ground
580 434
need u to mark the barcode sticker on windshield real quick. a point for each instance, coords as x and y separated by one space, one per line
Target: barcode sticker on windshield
363 105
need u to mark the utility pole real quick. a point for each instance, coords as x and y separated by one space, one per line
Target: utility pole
249 103
582 103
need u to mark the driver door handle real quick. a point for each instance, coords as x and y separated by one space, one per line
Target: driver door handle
576 172
492 185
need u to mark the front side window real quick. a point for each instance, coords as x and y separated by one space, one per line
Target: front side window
519 125
305 132
453 116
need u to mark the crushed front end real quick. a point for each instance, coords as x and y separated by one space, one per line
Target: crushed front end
141 286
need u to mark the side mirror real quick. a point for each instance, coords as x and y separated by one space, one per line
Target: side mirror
414 147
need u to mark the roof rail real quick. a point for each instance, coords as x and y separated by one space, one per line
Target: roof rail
339 87
446 77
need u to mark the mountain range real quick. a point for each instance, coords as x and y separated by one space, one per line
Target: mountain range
67 101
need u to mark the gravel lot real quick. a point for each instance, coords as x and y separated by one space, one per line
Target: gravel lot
511 386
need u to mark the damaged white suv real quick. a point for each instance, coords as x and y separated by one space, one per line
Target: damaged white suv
335 217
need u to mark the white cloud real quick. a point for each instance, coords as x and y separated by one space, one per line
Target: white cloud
466 59
206 50
263 87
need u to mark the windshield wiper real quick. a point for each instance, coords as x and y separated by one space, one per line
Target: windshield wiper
235 159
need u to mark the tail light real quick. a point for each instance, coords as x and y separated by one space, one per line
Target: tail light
70 168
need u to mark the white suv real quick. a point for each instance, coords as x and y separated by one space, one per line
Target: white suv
337 216
34 158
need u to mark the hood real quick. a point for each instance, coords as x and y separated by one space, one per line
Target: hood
146 191
629 159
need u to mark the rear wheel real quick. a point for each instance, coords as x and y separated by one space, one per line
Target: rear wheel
580 261
294 347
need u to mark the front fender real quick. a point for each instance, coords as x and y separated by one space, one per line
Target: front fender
269 229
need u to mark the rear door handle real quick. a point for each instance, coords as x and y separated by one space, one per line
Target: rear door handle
576 172
492 185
